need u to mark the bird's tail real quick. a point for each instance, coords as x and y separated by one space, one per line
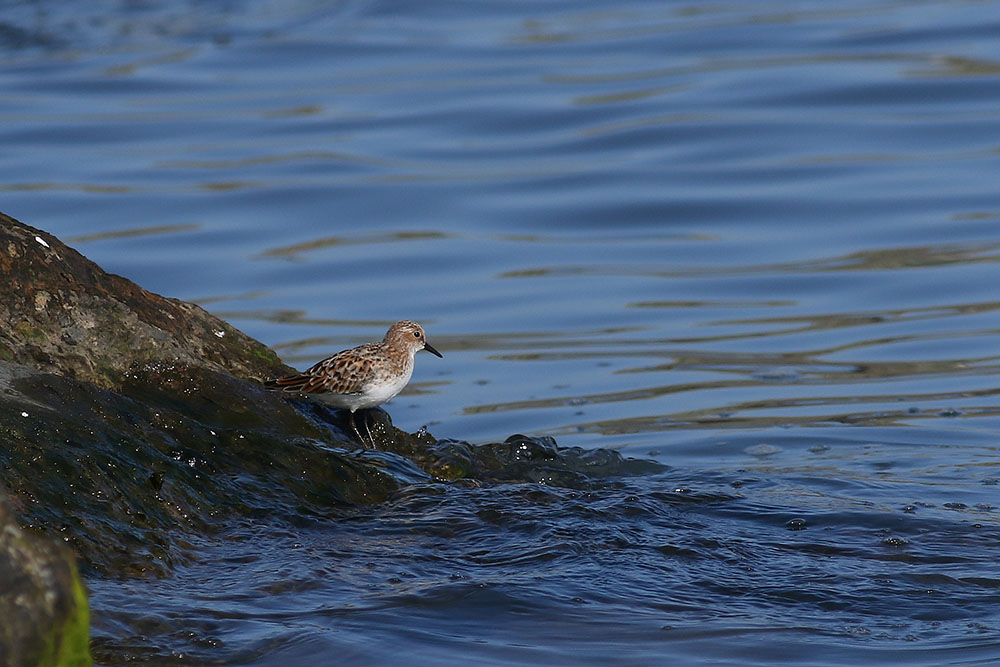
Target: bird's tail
290 383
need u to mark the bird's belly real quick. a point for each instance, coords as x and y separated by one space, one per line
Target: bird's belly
378 392
350 402
375 393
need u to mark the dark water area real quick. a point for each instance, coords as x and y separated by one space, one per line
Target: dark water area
755 242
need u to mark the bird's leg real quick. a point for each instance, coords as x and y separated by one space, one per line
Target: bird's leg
354 425
368 428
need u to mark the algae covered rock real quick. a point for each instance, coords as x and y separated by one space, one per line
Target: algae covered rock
127 478
43 607
521 458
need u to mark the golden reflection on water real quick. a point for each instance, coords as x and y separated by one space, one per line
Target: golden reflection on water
967 418
133 232
295 251
865 390
168 58
790 379
956 66
51 186
274 159
879 367
866 260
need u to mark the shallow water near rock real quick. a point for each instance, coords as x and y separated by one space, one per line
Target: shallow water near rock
701 566
754 243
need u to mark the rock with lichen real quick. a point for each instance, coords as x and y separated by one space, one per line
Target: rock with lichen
65 315
42 601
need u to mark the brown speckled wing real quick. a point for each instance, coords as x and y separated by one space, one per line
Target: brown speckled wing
346 372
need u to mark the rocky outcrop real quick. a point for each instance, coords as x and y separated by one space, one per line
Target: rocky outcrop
130 422
63 314
124 475
129 418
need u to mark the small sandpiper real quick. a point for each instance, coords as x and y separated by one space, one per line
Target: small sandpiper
362 377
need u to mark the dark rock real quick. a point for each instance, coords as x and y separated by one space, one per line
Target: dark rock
122 476
63 314
520 458
43 607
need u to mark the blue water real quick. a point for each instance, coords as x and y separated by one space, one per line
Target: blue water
757 242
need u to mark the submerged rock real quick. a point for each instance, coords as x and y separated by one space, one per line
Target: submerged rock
521 458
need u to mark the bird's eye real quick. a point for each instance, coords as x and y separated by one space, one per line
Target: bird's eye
416 334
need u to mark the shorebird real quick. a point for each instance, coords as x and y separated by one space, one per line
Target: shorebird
362 377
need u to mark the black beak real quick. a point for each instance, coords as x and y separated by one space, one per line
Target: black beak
430 348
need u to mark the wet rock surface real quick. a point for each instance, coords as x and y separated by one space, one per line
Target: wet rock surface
133 424
124 476
42 601
127 478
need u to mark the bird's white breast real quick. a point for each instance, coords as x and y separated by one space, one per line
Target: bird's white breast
384 388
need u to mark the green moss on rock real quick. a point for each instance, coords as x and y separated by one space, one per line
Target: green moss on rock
43 604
